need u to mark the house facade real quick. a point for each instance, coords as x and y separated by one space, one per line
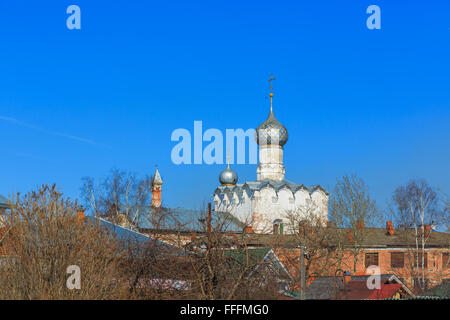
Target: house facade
381 252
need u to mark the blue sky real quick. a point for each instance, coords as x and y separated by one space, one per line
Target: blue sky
76 103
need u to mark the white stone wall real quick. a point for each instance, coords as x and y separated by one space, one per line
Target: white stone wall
320 199
270 163
262 208
240 206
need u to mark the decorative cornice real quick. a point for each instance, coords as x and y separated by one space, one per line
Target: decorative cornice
275 185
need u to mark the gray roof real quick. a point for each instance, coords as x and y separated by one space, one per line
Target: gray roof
324 288
134 239
383 277
373 238
253 186
4 202
186 220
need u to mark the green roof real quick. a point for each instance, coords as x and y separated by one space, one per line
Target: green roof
440 291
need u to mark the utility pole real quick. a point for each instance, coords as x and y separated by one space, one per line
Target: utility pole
302 273
209 225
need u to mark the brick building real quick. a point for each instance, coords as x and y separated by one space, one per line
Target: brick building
392 251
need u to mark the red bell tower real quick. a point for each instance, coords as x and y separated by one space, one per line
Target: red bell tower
156 190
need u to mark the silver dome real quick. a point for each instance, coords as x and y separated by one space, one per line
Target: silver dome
228 177
271 131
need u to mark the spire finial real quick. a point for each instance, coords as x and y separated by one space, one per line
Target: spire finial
157 177
271 90
228 159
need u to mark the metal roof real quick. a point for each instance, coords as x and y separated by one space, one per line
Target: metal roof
374 238
324 288
128 236
4 202
185 220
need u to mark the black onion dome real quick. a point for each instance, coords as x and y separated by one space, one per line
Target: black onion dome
271 131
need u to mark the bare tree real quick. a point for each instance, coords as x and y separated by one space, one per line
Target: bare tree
416 205
312 235
44 236
352 208
119 193
45 233
225 267
445 216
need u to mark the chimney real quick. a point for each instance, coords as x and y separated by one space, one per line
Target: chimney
248 229
427 230
389 228
81 216
360 224
193 236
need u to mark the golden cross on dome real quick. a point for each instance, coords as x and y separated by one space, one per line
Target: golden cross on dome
270 81
271 89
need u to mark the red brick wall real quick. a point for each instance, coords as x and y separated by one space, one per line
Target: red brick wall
328 267
433 271
156 196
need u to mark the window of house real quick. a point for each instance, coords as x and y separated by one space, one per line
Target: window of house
445 263
425 258
371 259
397 259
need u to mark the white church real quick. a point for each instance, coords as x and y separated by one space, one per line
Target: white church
269 204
